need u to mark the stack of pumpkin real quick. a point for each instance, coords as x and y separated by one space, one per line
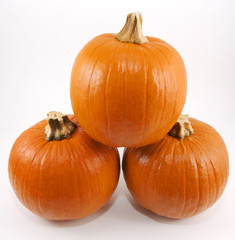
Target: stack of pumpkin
127 90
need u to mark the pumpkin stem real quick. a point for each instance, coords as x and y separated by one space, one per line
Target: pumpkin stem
59 126
132 30
182 128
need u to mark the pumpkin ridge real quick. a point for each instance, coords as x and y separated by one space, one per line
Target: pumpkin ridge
198 178
69 150
29 170
16 145
87 165
218 152
105 105
24 177
169 172
162 56
154 164
97 180
170 51
60 162
159 70
78 155
179 59
110 176
106 90
145 96
163 92
182 147
33 166
89 87
212 166
147 180
46 150
177 179
208 177
87 170
174 80
88 47
150 79
124 96
16 167
22 170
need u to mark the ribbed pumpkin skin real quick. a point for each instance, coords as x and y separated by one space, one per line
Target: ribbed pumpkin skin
62 180
178 179
126 94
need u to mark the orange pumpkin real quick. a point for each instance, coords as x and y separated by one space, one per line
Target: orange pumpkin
65 175
179 178
127 89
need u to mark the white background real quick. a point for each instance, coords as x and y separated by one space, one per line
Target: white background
39 41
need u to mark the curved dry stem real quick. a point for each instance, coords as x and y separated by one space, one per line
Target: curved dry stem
182 128
132 30
59 126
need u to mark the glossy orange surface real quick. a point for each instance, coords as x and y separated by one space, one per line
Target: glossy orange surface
178 178
126 94
62 180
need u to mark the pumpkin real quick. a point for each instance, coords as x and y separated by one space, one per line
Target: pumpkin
181 175
128 89
62 174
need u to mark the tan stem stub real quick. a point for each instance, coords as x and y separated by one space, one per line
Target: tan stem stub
132 30
59 126
182 128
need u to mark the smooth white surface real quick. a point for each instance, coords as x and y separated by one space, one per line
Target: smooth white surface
39 41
